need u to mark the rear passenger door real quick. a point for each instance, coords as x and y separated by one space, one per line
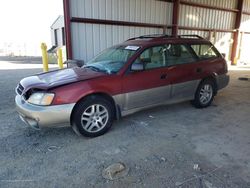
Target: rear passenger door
182 64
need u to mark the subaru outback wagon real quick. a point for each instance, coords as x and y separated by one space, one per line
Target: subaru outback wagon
140 73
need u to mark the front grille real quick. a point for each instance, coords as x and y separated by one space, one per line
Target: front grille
19 89
27 94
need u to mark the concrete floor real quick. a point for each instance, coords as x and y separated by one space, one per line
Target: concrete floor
160 146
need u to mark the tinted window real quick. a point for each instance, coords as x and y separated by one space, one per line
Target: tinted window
178 54
204 51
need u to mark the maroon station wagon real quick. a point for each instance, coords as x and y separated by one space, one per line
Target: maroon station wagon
140 73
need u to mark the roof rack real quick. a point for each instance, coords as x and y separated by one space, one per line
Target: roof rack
194 36
154 36
151 36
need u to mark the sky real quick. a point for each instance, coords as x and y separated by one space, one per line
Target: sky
27 22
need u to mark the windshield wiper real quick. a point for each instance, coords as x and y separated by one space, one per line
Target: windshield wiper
95 68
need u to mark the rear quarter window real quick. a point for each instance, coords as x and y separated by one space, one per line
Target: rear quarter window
205 51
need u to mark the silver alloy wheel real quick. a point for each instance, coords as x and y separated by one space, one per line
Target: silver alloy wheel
94 118
206 94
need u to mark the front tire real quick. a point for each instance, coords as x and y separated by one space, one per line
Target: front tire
204 94
93 116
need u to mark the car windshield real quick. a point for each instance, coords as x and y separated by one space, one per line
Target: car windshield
112 59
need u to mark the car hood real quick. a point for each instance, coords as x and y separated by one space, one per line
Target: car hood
56 78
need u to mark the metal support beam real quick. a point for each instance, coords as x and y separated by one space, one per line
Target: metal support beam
236 34
205 29
175 19
113 22
246 13
66 9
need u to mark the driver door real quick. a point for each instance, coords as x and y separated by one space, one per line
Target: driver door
149 86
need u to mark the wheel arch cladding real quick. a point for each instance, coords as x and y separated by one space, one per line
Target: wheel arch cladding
213 78
93 95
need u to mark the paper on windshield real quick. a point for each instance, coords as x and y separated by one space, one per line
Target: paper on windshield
134 48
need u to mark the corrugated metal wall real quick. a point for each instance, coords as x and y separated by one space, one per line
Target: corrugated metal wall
245 22
145 11
210 19
190 32
94 37
224 42
206 18
246 6
217 3
89 39
244 48
245 38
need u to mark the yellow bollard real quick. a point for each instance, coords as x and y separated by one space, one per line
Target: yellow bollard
45 57
60 58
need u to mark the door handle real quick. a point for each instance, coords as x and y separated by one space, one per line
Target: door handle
163 76
199 70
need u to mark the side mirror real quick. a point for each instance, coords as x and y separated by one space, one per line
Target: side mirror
137 67
74 63
223 55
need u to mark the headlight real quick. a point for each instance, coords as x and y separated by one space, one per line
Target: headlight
43 99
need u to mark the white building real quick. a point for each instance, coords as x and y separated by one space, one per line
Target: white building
58 32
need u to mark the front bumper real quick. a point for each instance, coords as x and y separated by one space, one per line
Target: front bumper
43 116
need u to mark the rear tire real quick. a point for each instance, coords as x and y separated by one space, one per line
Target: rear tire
204 94
93 116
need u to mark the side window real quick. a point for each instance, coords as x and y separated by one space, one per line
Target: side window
204 51
153 57
178 54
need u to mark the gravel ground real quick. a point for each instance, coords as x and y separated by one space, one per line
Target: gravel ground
160 146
